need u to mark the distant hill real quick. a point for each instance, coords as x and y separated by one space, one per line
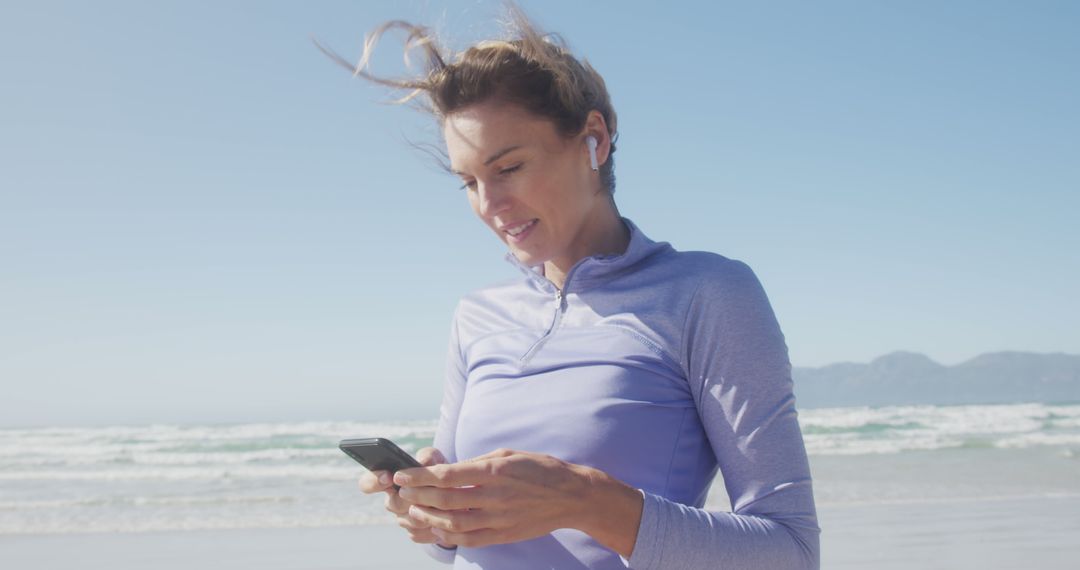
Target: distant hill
903 378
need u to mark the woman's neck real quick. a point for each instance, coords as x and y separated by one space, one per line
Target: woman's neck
606 235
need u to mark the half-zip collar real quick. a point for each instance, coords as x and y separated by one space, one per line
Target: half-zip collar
595 269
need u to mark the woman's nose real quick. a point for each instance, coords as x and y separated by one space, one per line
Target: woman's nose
492 199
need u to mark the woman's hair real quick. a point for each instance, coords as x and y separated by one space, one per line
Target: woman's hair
533 70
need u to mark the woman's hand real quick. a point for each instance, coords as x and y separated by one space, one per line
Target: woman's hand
375 481
507 496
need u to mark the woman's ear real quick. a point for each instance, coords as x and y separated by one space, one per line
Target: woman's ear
596 127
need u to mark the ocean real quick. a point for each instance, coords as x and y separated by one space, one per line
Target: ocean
137 479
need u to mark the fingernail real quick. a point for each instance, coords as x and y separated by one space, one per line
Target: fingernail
401 479
384 479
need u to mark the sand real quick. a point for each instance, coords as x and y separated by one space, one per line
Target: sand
385 547
1039 533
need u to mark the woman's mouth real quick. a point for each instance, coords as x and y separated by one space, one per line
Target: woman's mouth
519 233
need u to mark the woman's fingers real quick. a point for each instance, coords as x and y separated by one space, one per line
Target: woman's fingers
445 475
408 522
424 536
452 498
430 456
375 481
417 528
382 480
395 504
478 470
452 522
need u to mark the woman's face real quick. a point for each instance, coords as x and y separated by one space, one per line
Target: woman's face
518 171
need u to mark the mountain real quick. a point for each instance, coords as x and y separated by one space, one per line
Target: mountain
905 378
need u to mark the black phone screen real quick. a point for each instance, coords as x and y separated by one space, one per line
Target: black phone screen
377 453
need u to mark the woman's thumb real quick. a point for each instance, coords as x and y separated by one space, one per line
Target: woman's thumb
430 456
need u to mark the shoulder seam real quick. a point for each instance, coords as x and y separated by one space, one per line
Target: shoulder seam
649 343
683 362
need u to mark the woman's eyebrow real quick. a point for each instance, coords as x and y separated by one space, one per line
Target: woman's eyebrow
493 157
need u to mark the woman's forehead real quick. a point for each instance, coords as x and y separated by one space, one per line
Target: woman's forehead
491 122
482 133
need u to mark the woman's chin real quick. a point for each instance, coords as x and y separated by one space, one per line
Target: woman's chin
526 255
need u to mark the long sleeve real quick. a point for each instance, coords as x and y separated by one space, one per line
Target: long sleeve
736 361
453 393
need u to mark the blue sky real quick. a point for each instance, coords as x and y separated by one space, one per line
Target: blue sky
203 219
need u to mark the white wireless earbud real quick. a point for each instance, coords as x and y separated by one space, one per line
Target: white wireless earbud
590 141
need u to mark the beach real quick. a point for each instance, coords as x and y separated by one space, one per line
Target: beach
334 548
991 534
1041 533
957 487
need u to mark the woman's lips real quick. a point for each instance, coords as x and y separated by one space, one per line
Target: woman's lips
521 236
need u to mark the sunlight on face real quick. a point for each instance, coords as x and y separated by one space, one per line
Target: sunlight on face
518 170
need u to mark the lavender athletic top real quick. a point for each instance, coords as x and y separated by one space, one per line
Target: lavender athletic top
657 367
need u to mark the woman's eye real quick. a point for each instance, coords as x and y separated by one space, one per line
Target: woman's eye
471 185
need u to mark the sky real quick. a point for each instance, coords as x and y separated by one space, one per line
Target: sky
204 219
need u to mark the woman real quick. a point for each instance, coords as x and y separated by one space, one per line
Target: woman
588 405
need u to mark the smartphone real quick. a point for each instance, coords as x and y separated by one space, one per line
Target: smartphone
377 453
